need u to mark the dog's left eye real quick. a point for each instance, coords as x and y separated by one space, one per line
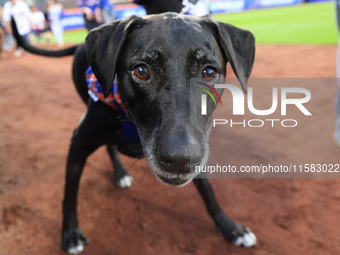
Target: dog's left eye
141 73
209 74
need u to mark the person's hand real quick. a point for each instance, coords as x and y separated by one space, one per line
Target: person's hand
8 28
88 12
99 16
187 7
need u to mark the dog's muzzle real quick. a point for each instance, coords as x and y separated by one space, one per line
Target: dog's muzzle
178 159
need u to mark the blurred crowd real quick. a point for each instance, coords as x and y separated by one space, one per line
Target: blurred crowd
39 27
33 24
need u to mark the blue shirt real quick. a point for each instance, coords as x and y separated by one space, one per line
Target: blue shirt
92 4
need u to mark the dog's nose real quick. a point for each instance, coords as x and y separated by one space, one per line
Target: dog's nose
179 158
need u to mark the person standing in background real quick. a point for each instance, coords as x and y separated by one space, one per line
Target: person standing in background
8 34
198 8
108 11
91 12
38 23
21 13
2 33
55 15
336 134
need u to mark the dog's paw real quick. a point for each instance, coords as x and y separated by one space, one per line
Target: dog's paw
243 237
240 236
235 233
74 241
124 182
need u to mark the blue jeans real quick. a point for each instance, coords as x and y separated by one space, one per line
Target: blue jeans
109 14
8 41
337 126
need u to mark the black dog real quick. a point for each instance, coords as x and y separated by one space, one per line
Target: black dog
154 59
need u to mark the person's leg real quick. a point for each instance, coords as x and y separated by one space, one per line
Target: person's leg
18 51
35 37
8 42
106 13
336 134
337 125
58 33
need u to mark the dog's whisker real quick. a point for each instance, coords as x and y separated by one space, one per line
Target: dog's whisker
135 161
147 172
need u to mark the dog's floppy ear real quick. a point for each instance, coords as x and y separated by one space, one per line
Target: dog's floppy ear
238 45
103 47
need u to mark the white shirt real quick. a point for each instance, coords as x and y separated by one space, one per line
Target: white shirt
21 14
201 8
7 11
55 13
38 20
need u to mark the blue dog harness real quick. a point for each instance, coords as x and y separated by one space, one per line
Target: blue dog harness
113 100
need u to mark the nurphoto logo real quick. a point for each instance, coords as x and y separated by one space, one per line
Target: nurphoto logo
239 105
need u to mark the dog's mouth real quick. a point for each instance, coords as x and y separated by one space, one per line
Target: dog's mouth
175 164
175 181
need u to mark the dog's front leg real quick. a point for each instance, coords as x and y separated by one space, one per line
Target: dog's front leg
98 127
233 232
73 239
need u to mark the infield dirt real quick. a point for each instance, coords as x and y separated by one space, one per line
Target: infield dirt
39 110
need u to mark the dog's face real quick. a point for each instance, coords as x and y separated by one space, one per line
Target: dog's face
156 60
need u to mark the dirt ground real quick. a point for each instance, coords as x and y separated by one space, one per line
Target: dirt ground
39 109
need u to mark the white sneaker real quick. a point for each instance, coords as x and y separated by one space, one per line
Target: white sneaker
17 53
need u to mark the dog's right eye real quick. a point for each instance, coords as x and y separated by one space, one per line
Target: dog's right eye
141 73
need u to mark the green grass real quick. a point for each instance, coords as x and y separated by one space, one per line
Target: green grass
300 24
72 37
75 36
